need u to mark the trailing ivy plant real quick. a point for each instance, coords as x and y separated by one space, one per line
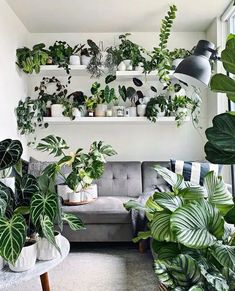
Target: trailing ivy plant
192 245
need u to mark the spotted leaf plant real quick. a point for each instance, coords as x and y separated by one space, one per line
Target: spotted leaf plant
192 244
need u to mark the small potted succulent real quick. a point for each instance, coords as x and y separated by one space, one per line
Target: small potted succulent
177 56
85 166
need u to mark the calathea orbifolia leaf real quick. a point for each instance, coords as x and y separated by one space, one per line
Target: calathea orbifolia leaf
165 250
43 205
12 237
53 144
225 255
47 227
192 192
230 277
10 153
74 222
218 193
151 204
168 201
175 180
26 186
160 226
197 225
220 146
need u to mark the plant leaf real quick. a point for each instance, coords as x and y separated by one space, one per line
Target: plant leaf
10 153
133 204
48 230
53 144
165 250
26 186
74 222
142 235
225 255
110 78
167 200
160 227
223 84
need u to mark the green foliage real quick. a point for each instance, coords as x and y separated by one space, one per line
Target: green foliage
189 238
73 221
179 53
31 60
55 145
101 96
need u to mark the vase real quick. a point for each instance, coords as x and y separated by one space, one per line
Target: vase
9 182
74 60
132 111
57 110
85 60
100 110
26 259
77 113
63 191
128 65
122 67
91 192
141 109
47 251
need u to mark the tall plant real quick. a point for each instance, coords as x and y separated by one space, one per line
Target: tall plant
193 247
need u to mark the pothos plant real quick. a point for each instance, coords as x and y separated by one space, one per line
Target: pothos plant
85 166
191 242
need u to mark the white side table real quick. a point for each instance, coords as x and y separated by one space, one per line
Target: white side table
9 278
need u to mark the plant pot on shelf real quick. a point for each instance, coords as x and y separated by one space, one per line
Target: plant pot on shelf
85 60
176 63
77 113
100 110
122 67
141 109
26 259
80 196
128 65
132 111
139 68
91 191
57 110
47 251
74 60
9 182
63 191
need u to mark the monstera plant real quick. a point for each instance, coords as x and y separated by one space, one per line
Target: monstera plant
220 146
191 241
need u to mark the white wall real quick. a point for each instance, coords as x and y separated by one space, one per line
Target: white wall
13 85
133 142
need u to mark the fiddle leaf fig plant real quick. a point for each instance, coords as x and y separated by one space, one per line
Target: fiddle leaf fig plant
191 242
220 145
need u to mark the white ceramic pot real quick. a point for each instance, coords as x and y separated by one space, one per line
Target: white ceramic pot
83 110
77 113
45 250
132 111
128 65
9 182
176 63
57 110
109 113
146 100
122 67
85 60
26 259
74 60
141 109
1 263
63 191
139 67
100 110
91 191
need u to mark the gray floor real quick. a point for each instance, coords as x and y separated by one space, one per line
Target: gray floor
109 269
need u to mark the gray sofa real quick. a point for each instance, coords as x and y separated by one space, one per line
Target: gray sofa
106 219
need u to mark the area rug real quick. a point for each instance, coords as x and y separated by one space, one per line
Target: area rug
100 270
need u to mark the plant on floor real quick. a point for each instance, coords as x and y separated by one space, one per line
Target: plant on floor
220 146
193 246
85 166
95 65
31 60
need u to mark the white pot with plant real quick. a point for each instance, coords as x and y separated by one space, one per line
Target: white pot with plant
75 58
86 56
47 251
122 66
86 193
26 259
63 191
57 110
141 108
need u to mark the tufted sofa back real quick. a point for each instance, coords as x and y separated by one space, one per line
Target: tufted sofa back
121 179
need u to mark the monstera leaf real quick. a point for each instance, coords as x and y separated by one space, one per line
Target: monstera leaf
197 225
12 237
221 139
26 186
218 193
10 153
53 144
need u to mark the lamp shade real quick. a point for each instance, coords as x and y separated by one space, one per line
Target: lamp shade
195 70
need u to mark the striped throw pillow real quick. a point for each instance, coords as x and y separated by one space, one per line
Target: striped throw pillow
194 172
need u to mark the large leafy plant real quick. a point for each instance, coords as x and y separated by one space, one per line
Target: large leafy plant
192 244
85 166
220 146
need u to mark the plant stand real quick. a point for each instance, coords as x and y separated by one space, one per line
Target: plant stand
45 282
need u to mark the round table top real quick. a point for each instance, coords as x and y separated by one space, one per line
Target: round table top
9 278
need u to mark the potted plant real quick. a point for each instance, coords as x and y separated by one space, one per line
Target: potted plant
113 59
85 166
90 105
74 59
177 56
78 101
31 60
192 245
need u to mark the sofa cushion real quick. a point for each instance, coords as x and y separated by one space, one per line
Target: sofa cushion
151 180
106 209
120 179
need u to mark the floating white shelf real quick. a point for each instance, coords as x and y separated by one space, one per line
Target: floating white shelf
107 120
131 74
54 70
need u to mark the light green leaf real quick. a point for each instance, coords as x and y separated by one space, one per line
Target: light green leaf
142 235
223 84
228 59
218 193
133 204
12 237
197 225
74 222
168 201
193 192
